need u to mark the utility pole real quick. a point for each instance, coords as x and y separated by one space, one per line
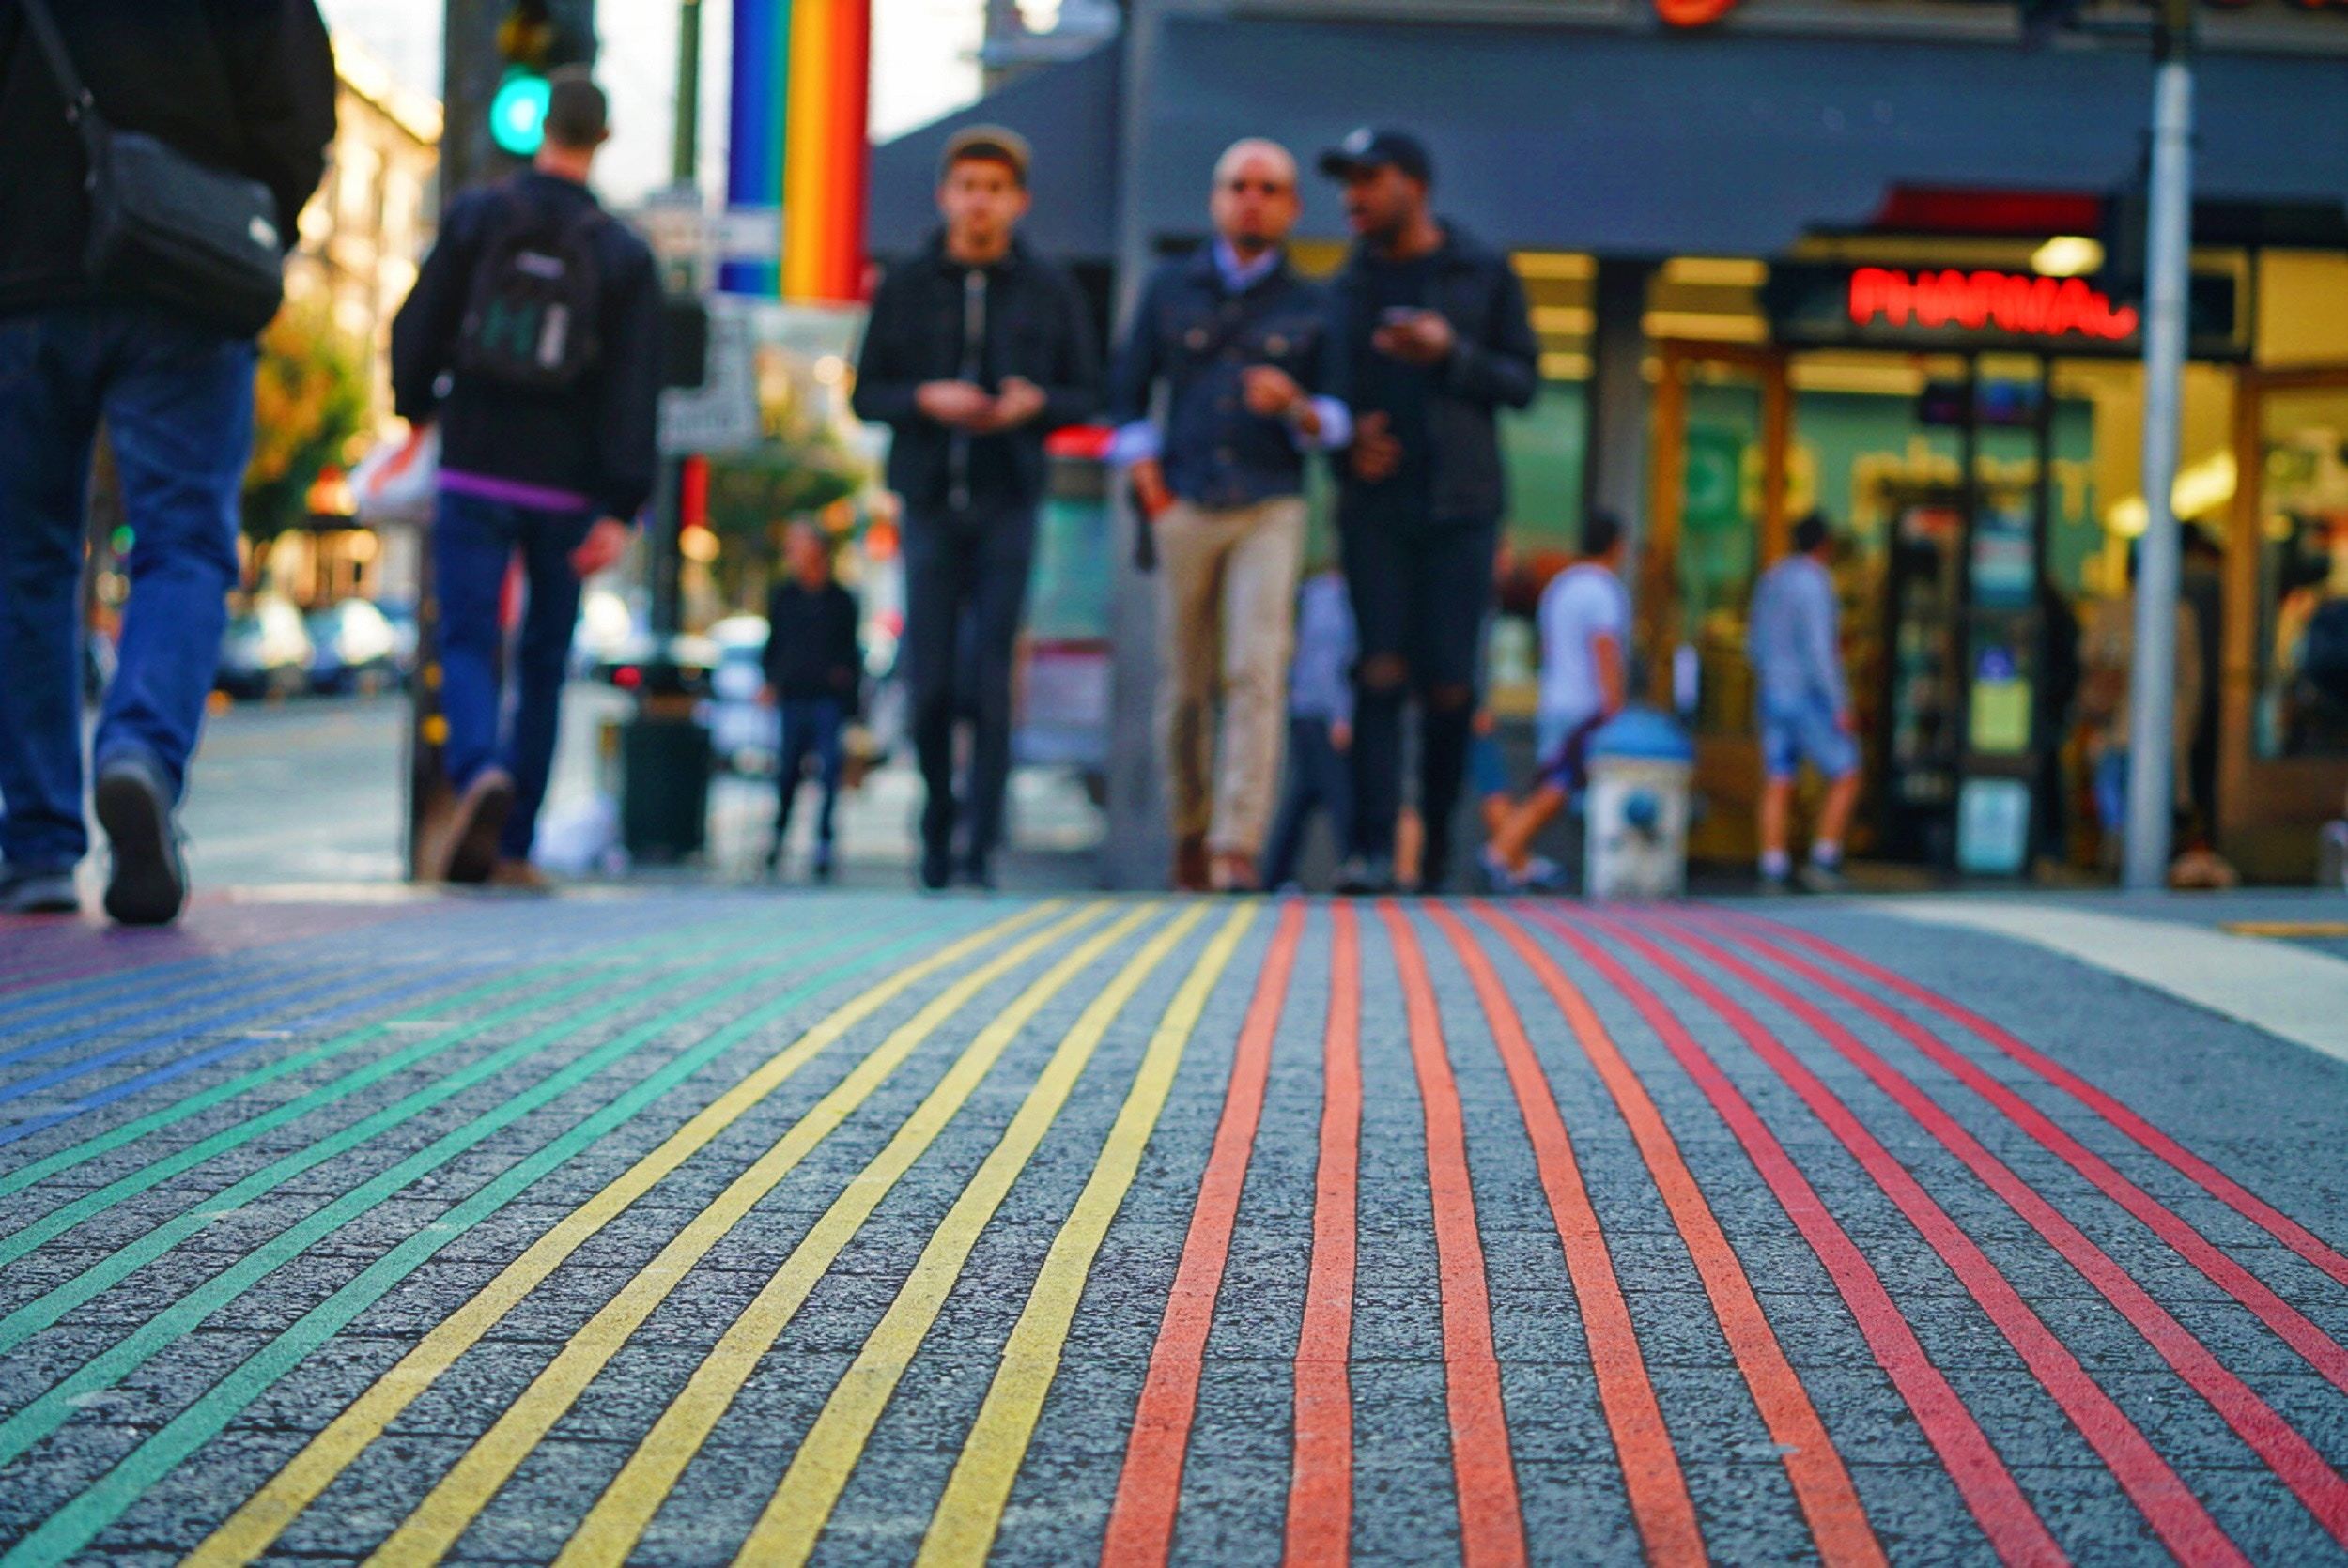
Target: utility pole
2153 681
685 169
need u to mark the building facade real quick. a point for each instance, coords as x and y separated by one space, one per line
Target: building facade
1864 255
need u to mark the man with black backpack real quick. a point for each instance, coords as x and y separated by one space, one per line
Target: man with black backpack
533 339
157 157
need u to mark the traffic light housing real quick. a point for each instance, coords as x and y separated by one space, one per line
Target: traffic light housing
532 40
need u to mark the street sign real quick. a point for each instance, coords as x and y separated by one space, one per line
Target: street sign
721 414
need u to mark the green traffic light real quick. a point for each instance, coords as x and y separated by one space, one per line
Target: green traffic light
518 116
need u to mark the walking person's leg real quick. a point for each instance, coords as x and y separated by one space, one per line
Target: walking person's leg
1375 577
827 723
798 738
1191 564
1452 601
1834 752
933 576
1300 795
1006 554
541 660
472 548
1259 617
48 420
179 413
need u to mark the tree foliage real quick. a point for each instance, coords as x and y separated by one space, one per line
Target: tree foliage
310 402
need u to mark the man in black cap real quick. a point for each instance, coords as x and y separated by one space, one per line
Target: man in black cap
1436 341
976 349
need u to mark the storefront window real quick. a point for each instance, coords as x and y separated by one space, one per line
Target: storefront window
1720 542
2302 705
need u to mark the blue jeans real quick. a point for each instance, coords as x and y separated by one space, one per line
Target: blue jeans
1319 779
473 543
965 592
178 404
810 728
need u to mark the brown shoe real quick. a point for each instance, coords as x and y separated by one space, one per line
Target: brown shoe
519 876
1191 873
1235 872
470 854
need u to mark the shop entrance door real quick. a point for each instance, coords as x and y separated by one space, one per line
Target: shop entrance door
1723 419
2285 633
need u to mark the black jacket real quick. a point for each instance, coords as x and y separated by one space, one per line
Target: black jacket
241 85
596 438
812 646
1496 365
1037 326
1191 331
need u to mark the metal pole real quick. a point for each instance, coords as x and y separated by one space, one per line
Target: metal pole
685 167
2153 681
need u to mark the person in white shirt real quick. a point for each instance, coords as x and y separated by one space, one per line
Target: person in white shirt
1584 622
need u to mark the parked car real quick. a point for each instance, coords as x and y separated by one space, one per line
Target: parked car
745 734
266 651
354 647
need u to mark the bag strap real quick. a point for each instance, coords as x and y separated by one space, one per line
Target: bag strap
80 110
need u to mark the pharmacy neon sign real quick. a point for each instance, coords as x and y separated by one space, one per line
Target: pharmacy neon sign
2019 303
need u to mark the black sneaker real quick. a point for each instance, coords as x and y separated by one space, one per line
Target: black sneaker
38 893
979 873
937 871
149 882
1366 876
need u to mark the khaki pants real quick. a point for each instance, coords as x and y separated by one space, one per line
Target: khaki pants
1228 625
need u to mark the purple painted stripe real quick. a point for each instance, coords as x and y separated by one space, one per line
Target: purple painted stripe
511 492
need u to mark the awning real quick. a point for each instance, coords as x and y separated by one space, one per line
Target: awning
1068 113
1724 142
1549 137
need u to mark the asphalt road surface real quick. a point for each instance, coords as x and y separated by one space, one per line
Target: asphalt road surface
695 1228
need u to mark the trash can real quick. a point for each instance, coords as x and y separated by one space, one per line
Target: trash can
665 758
1641 766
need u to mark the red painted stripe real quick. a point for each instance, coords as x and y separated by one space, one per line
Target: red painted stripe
1659 1503
1821 1482
2322 1489
2171 1509
2290 1325
2206 1176
1491 1516
1150 1490
1320 1487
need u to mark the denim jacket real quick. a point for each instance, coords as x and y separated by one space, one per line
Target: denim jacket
1193 332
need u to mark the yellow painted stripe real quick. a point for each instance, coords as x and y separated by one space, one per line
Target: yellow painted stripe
806 162
449 1508
252 1530
962 1532
614 1525
794 1516
2286 930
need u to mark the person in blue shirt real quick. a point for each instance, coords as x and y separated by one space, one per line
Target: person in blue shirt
1242 348
1320 724
1795 642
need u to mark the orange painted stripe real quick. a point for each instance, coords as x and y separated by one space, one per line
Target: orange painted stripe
1660 1502
1150 1490
1320 1487
1491 1516
1822 1483
851 153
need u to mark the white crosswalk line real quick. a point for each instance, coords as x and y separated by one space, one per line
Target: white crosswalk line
2290 993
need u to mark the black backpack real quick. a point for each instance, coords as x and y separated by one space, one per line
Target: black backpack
532 319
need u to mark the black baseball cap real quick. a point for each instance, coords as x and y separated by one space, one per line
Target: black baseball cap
1370 148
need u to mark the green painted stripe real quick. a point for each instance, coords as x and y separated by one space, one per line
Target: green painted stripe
106 1143
115 1266
65 1216
48 1412
71 1529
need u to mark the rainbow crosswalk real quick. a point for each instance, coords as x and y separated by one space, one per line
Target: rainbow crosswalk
782 1230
